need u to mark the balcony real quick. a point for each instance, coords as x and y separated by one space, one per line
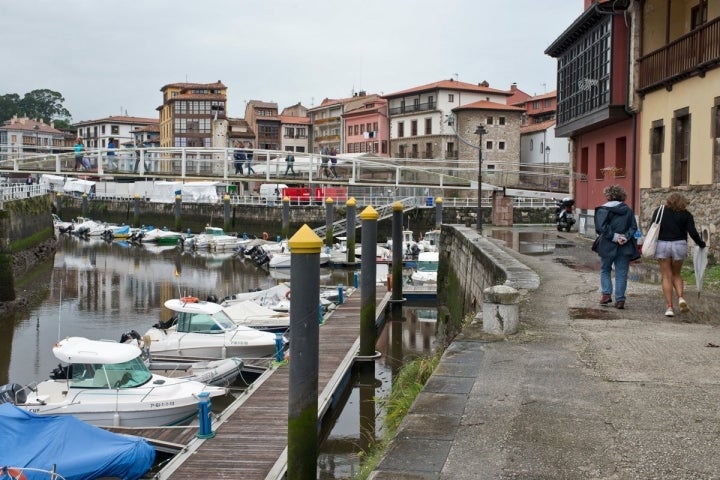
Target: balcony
692 54
420 107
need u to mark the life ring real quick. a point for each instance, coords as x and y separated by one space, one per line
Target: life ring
189 299
265 236
15 473
287 295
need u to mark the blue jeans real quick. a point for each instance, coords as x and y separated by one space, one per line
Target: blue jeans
622 266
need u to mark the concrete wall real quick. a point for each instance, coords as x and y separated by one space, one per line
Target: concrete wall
468 265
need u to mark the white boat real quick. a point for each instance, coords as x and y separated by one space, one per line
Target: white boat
110 385
282 260
276 298
427 267
253 315
430 241
212 238
220 373
160 236
86 227
204 330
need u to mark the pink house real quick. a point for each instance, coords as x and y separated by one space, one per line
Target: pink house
367 128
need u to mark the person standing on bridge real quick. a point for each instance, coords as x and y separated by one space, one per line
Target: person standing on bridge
290 164
111 154
239 159
78 149
616 226
249 154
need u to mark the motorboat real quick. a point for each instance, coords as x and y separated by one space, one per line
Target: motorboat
160 236
62 447
426 271
202 329
430 241
86 227
275 298
220 373
283 260
108 384
253 315
212 238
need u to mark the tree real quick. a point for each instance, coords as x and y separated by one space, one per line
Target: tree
9 105
43 104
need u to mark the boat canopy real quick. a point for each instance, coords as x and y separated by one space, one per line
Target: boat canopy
83 350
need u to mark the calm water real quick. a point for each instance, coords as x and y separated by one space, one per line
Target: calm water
100 290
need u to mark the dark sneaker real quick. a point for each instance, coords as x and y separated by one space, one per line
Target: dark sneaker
605 299
620 304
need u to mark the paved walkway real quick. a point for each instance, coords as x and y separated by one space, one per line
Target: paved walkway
581 392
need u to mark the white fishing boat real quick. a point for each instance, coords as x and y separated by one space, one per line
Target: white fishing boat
204 330
426 270
276 298
283 260
212 238
220 373
430 241
109 384
251 314
160 236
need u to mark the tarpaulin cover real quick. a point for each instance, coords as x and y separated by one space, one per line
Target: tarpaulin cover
77 449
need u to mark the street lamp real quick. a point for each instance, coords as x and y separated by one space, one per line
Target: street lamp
480 132
546 161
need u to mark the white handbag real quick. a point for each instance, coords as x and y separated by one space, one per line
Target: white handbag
650 241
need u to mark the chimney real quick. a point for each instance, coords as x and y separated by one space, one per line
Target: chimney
513 87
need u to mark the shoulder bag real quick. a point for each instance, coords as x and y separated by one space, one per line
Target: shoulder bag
650 242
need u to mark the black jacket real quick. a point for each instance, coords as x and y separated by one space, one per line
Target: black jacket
677 225
611 219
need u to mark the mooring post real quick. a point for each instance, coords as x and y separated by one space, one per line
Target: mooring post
368 274
178 205
84 204
136 210
500 312
303 433
204 420
350 234
438 212
226 212
329 218
397 257
286 217
58 203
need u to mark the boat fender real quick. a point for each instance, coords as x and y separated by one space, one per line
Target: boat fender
13 393
13 473
265 236
189 299
288 295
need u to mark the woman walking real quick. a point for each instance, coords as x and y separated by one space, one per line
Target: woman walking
676 223
616 226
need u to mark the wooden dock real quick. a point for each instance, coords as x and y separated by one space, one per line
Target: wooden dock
251 434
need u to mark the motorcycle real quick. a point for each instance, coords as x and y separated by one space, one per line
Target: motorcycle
564 217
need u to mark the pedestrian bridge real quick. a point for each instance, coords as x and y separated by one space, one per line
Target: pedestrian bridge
427 176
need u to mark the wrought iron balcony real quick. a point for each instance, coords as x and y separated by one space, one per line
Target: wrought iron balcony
692 54
420 107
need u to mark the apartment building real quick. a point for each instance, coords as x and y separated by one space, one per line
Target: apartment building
366 128
187 113
97 133
263 119
26 136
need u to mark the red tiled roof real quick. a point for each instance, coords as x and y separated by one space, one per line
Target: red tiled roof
448 85
28 124
552 94
485 105
537 127
215 85
261 104
121 119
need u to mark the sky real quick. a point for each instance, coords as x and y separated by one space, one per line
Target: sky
112 57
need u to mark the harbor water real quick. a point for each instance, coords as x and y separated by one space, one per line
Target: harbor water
100 290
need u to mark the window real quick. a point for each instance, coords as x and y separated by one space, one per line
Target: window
501 120
547 103
289 132
488 145
428 150
367 127
531 144
349 130
681 147
584 155
599 161
428 126
102 129
413 128
501 145
401 129
489 120
375 127
451 98
356 129
698 15
536 105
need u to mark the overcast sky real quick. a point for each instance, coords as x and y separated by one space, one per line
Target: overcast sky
111 57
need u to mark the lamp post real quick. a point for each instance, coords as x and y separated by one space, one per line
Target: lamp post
37 140
480 132
546 161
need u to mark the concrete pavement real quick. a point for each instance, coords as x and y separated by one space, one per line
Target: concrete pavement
580 392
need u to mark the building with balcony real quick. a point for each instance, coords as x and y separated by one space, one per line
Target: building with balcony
366 128
187 113
417 117
26 136
97 133
295 133
328 127
263 119
678 76
595 106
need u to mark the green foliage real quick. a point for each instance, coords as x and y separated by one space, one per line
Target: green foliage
44 104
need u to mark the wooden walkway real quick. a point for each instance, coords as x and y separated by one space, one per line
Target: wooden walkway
251 435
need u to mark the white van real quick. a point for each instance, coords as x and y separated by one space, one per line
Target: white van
271 191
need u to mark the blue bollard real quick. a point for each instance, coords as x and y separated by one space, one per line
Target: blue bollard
341 294
245 237
279 238
356 279
320 314
279 343
204 416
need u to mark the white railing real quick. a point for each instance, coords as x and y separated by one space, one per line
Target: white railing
20 190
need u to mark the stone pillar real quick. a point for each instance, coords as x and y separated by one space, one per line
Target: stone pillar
502 210
397 254
500 311
178 210
84 204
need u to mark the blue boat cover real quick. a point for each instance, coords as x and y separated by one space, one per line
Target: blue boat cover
77 449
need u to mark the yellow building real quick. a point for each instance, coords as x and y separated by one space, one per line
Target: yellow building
188 111
678 79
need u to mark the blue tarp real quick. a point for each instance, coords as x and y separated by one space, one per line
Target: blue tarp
77 449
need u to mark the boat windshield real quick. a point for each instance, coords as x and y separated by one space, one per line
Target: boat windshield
113 375
424 266
218 322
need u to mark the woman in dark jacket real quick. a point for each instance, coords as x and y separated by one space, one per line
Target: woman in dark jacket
615 224
675 226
